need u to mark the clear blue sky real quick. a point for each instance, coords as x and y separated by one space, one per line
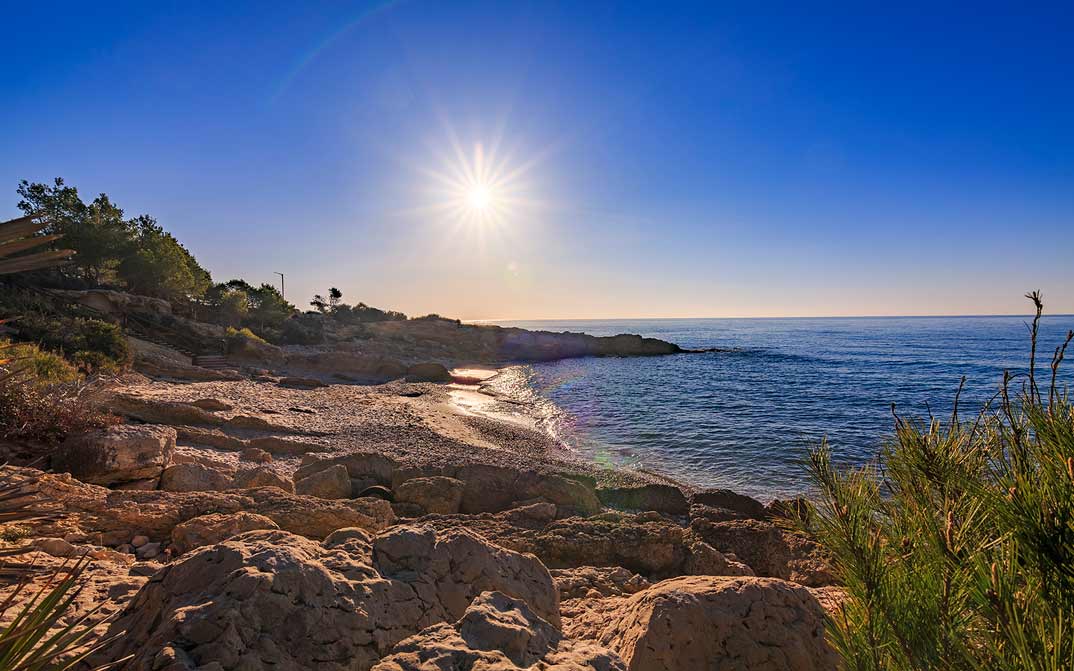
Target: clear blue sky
653 159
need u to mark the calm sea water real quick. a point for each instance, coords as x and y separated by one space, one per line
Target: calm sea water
744 419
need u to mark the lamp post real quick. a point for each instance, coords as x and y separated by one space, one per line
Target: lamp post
283 289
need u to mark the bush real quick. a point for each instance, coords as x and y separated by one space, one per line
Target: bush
44 415
956 549
92 344
233 333
44 367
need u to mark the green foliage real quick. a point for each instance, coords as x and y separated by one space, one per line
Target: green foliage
957 548
238 303
157 265
43 367
137 252
36 414
233 333
347 314
92 344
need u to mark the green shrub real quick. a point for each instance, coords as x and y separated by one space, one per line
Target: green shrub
93 344
43 367
246 333
956 549
42 415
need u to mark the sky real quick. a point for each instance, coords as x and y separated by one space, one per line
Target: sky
525 160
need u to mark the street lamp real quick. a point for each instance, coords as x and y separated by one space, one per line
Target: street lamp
283 289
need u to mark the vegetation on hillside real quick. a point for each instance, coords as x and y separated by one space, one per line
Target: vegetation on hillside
956 548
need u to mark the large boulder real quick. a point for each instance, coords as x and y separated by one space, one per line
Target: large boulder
438 494
739 505
428 372
572 497
215 528
193 477
654 496
117 454
274 600
331 483
691 623
498 633
261 476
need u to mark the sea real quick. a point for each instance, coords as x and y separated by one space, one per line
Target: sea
745 417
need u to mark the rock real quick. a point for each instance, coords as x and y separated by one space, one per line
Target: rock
139 540
215 528
577 583
211 404
653 549
57 547
301 383
570 496
658 497
768 549
438 495
360 466
283 446
747 623
148 551
352 367
256 455
106 517
210 438
498 633
743 506
145 569
428 372
193 478
139 485
154 411
116 454
331 483
262 476
274 600
191 455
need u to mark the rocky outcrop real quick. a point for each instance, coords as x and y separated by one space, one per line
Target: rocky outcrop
438 494
767 548
691 623
216 528
597 581
428 372
193 477
107 517
659 497
355 367
498 633
272 600
330 483
117 454
737 505
262 476
653 548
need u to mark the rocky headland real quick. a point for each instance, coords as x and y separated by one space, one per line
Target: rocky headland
338 507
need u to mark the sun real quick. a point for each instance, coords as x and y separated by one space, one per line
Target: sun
479 198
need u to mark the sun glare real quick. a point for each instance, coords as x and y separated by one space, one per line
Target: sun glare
479 198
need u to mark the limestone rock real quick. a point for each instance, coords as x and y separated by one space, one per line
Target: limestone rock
570 496
215 528
211 404
261 476
768 549
439 495
747 624
301 383
498 633
256 455
155 411
116 454
274 600
428 372
331 483
576 583
659 497
740 505
193 477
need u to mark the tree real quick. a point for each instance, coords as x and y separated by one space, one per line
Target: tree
234 305
97 232
158 265
335 299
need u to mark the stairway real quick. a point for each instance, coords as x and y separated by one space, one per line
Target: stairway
213 361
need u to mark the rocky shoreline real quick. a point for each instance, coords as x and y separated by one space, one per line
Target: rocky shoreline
249 519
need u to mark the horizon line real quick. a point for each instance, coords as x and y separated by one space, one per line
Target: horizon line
623 319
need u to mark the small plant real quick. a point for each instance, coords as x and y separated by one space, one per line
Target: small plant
956 549
245 333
